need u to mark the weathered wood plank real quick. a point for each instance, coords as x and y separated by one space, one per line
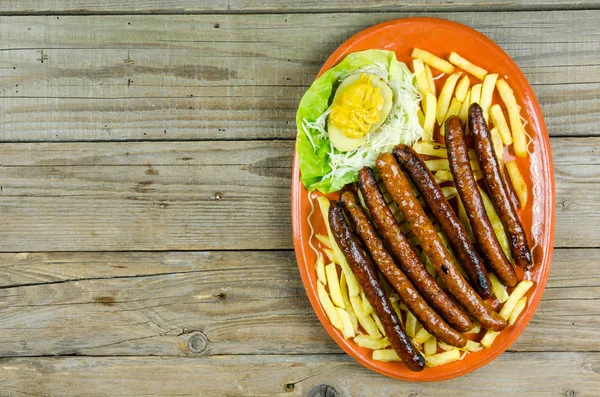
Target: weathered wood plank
241 76
235 6
555 374
230 302
191 195
117 196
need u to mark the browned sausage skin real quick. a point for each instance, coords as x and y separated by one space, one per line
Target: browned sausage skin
444 214
465 183
496 184
399 188
405 256
428 318
367 277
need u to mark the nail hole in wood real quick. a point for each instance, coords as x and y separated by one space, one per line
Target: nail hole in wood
289 387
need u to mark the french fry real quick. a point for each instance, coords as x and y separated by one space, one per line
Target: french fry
397 310
433 61
449 192
517 294
378 323
371 343
464 109
411 324
421 117
324 240
498 289
442 176
430 79
388 197
462 88
429 108
496 224
328 306
497 144
364 320
467 66
428 265
446 244
518 182
347 304
517 310
385 355
471 346
445 97
476 329
514 116
442 358
421 75
462 217
353 287
404 227
475 93
453 110
330 254
320 269
430 346
413 240
489 338
347 328
367 308
430 148
334 285
442 164
500 123
487 93
444 346
421 336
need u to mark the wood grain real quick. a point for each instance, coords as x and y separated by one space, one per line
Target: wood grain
199 77
288 6
201 195
555 374
247 302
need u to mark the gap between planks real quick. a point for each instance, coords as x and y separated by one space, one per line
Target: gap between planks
240 7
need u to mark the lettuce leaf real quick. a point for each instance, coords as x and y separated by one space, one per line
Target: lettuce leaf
313 147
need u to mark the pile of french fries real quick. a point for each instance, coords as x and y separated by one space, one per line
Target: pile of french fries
454 99
338 291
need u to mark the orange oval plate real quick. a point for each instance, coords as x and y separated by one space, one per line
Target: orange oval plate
441 37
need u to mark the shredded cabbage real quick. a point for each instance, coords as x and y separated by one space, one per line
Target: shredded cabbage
325 168
401 126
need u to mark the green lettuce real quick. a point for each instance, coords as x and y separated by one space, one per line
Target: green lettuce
316 154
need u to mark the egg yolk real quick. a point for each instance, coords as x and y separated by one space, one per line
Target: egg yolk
357 108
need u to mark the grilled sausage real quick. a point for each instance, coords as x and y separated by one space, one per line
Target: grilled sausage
468 192
497 186
399 188
405 256
367 277
444 214
428 318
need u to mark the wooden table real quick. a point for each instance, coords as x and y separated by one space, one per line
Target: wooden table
145 165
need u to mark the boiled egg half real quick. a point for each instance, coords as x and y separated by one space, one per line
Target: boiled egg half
361 104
